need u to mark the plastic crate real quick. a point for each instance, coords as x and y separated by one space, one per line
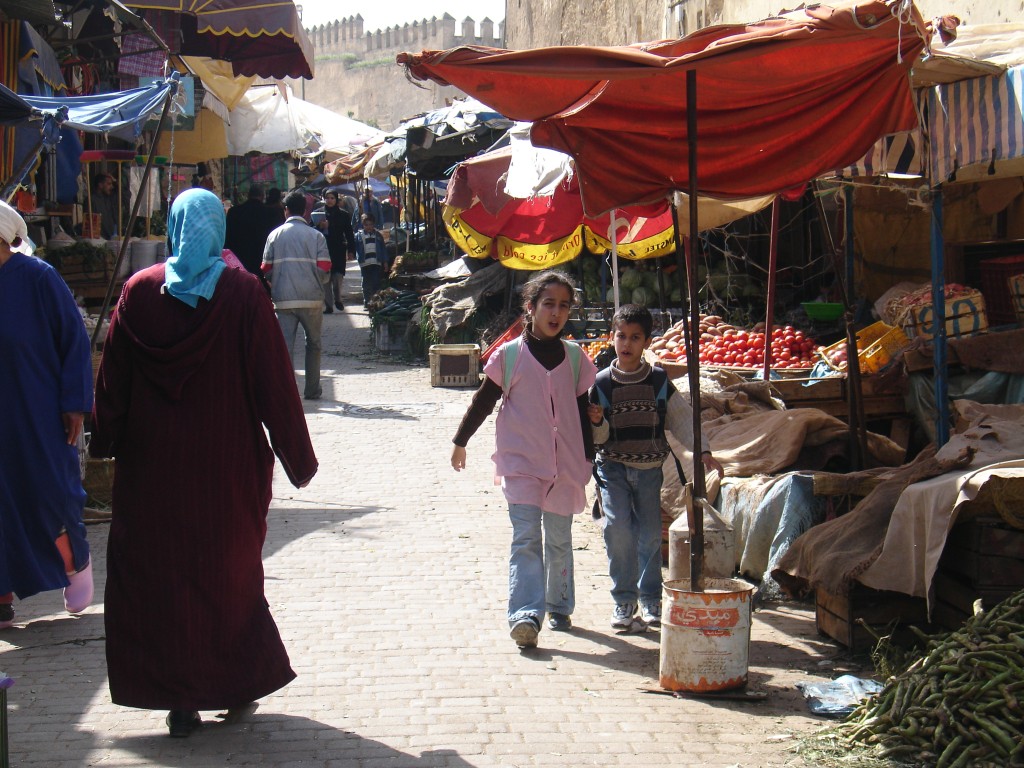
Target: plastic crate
1016 285
877 346
454 365
995 277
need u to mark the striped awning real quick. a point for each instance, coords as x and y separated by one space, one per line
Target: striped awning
899 154
976 121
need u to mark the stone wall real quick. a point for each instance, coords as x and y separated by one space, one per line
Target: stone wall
356 74
537 23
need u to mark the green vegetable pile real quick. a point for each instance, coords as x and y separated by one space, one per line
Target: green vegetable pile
391 306
958 704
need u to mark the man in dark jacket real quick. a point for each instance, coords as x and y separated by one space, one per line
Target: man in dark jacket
248 225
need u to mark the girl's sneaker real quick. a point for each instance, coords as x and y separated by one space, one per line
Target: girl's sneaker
525 632
6 615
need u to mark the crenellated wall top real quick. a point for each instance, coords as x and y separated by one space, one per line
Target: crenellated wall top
348 36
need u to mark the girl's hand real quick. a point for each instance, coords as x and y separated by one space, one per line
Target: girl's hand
596 413
458 458
711 462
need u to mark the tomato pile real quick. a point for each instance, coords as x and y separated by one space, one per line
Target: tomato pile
745 349
726 346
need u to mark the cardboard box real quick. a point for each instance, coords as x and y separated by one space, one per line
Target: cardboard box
964 315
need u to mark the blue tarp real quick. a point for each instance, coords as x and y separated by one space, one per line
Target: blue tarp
121 114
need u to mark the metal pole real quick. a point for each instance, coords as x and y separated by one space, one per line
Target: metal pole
769 315
19 173
939 313
692 355
131 220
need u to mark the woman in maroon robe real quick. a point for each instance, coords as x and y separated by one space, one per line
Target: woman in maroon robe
194 367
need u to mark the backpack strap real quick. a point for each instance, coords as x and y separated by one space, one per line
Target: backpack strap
575 354
572 352
508 363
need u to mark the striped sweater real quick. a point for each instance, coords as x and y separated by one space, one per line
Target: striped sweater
635 433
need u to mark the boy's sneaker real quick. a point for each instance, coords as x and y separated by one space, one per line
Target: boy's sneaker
559 622
622 616
6 615
651 613
525 632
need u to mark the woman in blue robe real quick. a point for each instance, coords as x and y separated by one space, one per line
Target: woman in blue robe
45 392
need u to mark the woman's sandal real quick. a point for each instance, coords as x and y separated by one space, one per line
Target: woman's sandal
181 723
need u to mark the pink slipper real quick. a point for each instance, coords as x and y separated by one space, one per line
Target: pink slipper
78 594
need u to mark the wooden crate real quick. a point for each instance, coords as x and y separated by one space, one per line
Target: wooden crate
964 315
986 553
954 596
836 615
1016 287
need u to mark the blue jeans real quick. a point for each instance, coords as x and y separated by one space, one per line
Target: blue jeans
312 321
631 500
540 573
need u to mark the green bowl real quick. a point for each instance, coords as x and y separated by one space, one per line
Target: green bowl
819 310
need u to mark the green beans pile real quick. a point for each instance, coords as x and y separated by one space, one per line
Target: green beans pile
960 704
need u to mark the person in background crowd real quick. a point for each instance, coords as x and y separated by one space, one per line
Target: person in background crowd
297 265
248 226
46 381
106 203
341 244
543 453
276 207
368 206
636 405
194 377
371 253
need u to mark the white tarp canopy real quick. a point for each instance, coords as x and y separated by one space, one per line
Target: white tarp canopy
272 119
537 171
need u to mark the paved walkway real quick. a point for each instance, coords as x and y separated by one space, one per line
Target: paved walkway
387 576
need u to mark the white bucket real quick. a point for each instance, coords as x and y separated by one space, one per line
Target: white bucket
719 546
144 254
705 636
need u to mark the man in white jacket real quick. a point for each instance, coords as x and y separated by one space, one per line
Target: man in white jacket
297 265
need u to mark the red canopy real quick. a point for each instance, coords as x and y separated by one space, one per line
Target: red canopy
261 38
542 231
779 102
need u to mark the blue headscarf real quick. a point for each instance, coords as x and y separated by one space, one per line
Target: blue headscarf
195 239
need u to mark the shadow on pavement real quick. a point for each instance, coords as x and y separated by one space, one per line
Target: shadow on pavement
280 740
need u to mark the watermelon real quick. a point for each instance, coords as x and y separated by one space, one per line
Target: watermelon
630 279
643 296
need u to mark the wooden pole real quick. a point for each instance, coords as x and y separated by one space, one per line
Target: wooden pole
131 220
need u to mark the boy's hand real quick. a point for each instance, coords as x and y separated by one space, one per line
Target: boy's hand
710 462
596 413
458 458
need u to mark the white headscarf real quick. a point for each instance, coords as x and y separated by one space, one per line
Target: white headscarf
12 226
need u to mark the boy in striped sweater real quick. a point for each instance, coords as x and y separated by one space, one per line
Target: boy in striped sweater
638 404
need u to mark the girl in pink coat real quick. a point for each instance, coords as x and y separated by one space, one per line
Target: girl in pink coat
544 453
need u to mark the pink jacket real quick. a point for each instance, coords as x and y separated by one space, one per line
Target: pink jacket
540 458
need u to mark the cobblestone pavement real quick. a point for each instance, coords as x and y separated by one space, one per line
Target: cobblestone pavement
388 579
